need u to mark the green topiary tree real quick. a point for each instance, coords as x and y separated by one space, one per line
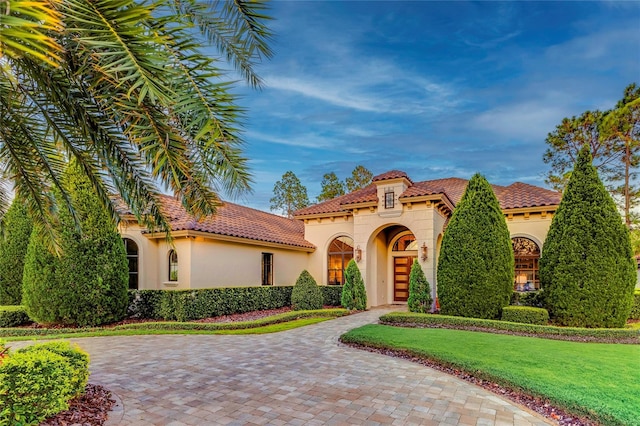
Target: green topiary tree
354 294
476 264
306 294
419 290
87 284
587 269
13 249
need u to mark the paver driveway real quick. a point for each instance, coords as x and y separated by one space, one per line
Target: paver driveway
297 377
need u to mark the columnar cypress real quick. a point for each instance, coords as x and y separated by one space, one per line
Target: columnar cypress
476 264
354 294
87 284
419 290
13 249
587 271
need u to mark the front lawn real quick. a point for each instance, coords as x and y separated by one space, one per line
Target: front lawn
599 380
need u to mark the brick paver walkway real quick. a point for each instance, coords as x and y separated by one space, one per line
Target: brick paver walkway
298 377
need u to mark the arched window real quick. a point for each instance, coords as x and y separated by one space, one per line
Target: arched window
132 258
173 265
340 253
527 254
405 243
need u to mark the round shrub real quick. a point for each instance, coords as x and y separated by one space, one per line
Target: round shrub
306 294
587 268
87 285
419 290
13 248
354 294
12 316
525 315
476 263
34 385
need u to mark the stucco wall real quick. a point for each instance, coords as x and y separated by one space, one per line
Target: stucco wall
534 227
320 233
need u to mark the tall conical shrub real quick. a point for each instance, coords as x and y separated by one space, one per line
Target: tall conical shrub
13 249
306 294
587 271
87 284
476 264
419 290
354 294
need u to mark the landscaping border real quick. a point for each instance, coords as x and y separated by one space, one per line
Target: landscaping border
596 335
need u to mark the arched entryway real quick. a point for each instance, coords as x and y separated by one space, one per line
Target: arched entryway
404 250
527 254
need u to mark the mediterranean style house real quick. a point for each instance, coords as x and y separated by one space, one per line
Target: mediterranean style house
384 227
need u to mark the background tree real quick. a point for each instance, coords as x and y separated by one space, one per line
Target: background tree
87 284
360 177
331 186
476 263
289 194
125 89
420 299
622 127
613 138
13 249
306 294
587 269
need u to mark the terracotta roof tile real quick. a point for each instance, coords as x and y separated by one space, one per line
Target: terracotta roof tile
392 174
516 195
234 220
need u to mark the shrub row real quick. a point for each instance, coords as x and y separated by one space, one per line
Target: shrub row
331 294
525 315
12 316
38 381
635 308
405 319
275 319
187 305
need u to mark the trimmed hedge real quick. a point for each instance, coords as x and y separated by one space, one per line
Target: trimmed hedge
407 319
331 294
525 315
306 294
530 298
12 316
37 382
635 308
186 305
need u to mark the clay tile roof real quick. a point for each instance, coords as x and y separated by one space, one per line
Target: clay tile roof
518 195
392 174
452 187
234 220
364 195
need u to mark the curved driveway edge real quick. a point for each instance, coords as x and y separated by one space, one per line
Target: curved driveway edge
297 377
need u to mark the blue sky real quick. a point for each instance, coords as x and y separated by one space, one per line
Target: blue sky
437 89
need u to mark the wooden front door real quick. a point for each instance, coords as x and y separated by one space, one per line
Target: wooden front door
401 271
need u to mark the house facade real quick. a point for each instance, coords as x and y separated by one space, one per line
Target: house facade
384 227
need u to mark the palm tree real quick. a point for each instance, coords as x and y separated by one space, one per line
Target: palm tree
123 87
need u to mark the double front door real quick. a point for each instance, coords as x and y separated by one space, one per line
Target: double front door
401 271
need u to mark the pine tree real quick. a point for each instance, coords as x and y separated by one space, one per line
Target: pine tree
289 195
87 284
419 290
354 294
331 187
587 271
476 263
13 249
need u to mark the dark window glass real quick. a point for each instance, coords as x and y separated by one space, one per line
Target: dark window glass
267 268
132 258
173 265
389 200
527 255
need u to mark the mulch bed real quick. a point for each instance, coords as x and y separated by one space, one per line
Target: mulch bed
539 405
90 409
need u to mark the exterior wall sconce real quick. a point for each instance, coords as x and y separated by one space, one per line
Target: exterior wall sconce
358 254
423 251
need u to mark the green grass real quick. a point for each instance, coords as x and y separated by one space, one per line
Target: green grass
599 380
272 324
